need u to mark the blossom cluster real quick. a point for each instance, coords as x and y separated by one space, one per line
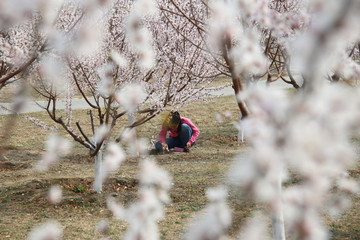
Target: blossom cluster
143 215
55 148
300 137
139 37
102 46
112 160
217 214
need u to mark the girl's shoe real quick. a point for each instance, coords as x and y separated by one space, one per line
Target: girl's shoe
177 149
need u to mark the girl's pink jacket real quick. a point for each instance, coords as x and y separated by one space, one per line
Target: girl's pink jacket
174 133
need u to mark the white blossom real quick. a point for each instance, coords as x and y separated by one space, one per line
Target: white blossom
255 228
116 210
130 96
55 194
222 21
337 205
51 230
215 219
146 7
219 117
114 156
50 9
106 86
16 10
144 214
101 133
348 68
90 36
247 56
349 185
119 59
128 135
152 174
139 36
141 146
55 147
53 71
147 58
102 226
227 114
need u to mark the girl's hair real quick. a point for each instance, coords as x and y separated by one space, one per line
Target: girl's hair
174 119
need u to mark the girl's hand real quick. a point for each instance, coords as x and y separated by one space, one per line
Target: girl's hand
188 146
165 146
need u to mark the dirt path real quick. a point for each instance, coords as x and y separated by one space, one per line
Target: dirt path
80 103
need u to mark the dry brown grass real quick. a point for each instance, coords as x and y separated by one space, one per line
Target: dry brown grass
23 191
221 81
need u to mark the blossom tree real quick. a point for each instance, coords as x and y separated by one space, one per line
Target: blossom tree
121 64
229 34
317 50
243 33
117 55
23 38
307 135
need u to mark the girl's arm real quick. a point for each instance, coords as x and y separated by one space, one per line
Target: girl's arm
195 130
162 134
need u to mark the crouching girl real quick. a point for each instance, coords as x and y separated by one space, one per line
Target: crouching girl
182 133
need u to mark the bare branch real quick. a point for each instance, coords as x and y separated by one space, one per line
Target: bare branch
83 134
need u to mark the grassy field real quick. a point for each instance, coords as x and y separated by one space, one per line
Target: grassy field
23 202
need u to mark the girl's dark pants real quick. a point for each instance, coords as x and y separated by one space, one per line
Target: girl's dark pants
179 141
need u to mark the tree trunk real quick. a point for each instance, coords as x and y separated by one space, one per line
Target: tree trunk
278 217
236 79
238 87
99 178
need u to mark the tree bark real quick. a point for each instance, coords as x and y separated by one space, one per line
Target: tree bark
238 87
237 83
